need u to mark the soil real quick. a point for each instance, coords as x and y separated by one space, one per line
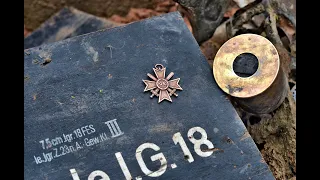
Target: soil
37 11
276 139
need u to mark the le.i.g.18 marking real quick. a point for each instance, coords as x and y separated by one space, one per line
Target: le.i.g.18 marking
177 139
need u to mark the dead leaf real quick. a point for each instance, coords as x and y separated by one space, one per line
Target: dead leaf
186 20
286 27
26 32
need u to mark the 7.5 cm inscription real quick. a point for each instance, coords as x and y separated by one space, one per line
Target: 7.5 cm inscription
78 133
77 140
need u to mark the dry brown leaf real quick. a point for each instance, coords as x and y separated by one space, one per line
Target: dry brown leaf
230 11
286 26
135 14
186 20
26 32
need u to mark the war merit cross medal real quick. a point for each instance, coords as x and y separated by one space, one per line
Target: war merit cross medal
161 86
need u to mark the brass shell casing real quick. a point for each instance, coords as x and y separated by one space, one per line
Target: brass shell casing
260 93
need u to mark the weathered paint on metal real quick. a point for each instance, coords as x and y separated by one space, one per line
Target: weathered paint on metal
86 115
68 22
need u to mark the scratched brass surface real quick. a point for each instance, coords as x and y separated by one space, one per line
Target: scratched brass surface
245 87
